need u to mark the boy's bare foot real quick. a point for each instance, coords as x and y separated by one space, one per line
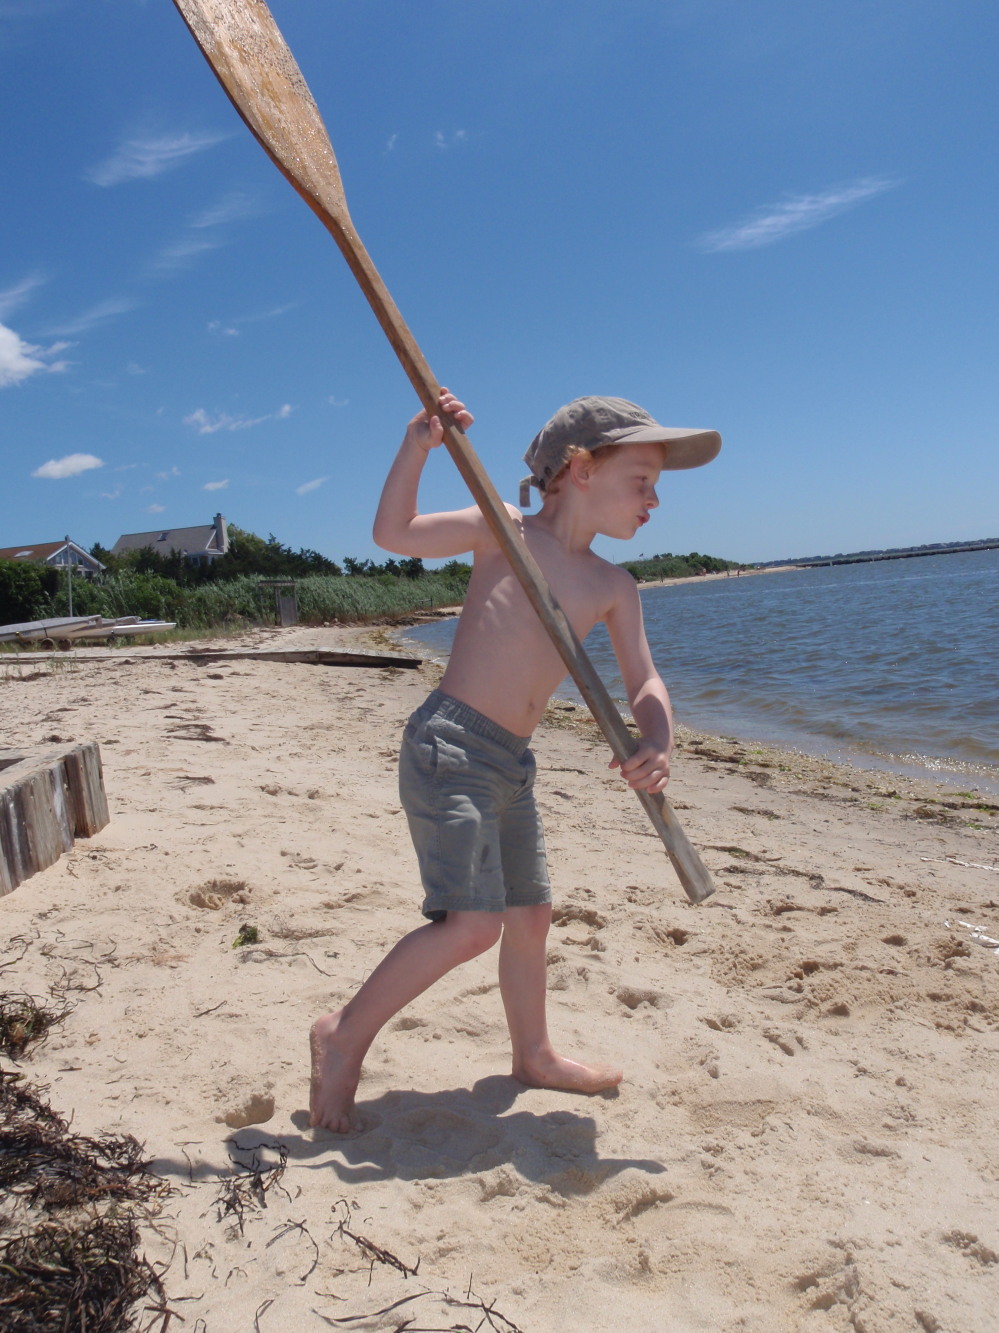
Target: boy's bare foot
335 1073
555 1071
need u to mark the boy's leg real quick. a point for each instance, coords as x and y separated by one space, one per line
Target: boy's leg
523 981
340 1041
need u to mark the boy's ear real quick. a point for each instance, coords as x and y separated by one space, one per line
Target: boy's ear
580 470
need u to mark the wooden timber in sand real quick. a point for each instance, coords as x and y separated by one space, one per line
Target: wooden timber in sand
205 656
49 795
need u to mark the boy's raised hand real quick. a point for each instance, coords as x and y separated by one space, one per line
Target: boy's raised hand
647 769
428 434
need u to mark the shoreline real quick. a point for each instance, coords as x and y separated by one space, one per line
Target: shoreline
805 1040
949 775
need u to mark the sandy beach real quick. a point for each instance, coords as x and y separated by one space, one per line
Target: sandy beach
805 1137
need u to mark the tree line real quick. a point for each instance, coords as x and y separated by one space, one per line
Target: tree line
232 588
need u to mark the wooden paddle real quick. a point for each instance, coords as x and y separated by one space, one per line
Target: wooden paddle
242 44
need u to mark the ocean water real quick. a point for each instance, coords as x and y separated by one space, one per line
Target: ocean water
892 664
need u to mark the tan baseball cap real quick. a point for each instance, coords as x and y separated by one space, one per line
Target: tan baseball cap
592 422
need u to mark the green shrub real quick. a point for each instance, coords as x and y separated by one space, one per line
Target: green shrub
129 593
25 591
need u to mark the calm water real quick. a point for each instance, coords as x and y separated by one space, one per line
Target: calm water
893 664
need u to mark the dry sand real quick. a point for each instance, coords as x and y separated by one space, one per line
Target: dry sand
805 1138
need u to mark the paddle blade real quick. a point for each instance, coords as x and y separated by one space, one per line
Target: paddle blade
251 60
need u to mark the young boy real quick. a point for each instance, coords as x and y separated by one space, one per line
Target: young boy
465 772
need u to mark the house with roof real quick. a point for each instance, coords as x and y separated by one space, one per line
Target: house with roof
203 543
56 555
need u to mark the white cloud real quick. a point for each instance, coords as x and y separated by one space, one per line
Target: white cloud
18 294
392 141
97 314
180 254
444 141
800 212
165 476
334 401
145 156
112 495
231 208
19 359
155 509
215 485
231 328
208 425
310 486
70 466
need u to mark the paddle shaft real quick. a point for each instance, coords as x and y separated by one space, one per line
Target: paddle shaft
252 62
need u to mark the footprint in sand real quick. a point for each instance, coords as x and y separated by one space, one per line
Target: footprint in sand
247 1108
217 893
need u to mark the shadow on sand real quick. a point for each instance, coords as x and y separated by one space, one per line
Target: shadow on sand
441 1135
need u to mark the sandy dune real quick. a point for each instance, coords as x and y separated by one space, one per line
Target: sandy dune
805 1139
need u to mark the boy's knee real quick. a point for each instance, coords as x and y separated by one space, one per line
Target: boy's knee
531 922
477 931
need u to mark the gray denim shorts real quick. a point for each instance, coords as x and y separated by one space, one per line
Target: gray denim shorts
467 787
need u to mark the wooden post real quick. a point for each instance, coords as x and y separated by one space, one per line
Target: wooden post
49 795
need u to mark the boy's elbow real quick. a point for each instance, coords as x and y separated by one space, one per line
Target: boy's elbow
384 536
388 538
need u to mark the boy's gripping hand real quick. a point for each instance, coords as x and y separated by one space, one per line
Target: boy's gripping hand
428 434
647 769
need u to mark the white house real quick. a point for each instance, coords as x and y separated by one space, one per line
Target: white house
54 554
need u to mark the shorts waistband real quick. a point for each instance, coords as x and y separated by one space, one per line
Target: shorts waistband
438 704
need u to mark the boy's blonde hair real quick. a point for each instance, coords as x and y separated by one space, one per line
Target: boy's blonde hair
592 456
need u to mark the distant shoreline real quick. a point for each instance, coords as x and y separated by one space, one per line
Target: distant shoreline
720 574
869 557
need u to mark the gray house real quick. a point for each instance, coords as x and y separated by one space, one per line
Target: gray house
207 542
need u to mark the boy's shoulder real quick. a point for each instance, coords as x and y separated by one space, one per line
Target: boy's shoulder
611 584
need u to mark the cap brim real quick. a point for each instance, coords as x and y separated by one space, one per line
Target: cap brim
683 447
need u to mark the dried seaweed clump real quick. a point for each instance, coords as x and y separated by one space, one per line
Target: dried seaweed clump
69 1207
47 1166
86 1277
23 1021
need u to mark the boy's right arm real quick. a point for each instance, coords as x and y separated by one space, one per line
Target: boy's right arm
399 526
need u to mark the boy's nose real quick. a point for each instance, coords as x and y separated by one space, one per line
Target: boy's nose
653 500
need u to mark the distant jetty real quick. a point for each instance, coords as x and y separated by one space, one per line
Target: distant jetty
892 553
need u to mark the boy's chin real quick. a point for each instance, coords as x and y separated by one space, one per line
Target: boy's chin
622 532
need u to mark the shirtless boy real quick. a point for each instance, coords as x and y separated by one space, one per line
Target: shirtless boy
466 774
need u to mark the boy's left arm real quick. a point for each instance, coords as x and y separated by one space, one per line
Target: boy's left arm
648 768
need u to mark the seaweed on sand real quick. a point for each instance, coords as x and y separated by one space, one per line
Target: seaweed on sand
249 1186
62 1277
72 1260
23 1021
46 1165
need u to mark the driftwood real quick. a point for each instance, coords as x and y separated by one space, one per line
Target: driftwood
49 795
204 656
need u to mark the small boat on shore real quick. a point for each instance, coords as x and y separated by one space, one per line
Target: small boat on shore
64 632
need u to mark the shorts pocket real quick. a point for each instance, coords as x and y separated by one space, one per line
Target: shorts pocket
419 748
447 758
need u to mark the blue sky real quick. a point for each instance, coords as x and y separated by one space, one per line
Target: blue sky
771 218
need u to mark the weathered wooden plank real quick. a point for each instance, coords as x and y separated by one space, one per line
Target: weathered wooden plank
49 795
85 780
311 656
